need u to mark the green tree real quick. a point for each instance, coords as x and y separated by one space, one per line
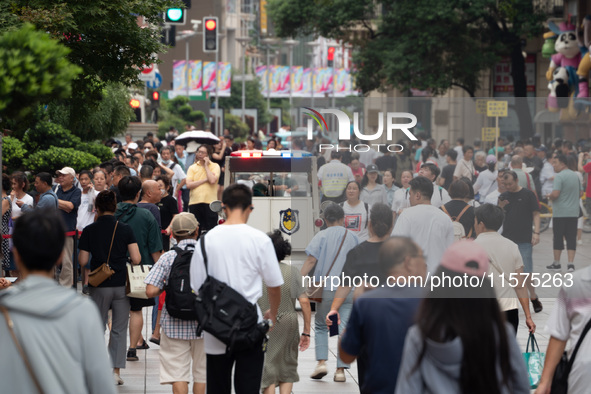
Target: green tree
104 38
33 69
108 118
236 126
252 99
54 158
429 44
177 113
13 154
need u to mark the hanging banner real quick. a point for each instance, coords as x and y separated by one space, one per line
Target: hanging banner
305 81
261 73
297 82
183 75
224 78
280 81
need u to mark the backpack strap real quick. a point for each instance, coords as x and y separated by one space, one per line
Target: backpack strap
367 213
579 341
462 212
202 242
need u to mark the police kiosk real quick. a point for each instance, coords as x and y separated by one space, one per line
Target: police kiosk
285 193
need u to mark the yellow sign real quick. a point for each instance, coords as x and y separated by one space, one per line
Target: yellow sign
489 134
481 106
496 108
263 15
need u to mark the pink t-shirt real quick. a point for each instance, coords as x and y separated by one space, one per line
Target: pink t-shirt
587 168
562 61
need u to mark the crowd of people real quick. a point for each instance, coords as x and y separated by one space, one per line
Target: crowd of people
430 209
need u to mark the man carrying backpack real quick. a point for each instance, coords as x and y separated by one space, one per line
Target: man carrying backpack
242 267
179 344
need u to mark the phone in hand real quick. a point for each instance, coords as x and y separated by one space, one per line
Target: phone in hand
334 327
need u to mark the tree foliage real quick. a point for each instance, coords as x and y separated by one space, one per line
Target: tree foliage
54 158
252 99
108 118
33 69
427 44
177 113
14 153
236 126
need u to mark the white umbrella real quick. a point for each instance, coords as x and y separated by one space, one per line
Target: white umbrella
199 136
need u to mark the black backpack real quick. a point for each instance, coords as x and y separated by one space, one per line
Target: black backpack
180 299
227 315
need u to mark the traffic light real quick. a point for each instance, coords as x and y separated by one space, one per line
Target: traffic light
175 16
136 105
169 36
156 97
331 51
210 34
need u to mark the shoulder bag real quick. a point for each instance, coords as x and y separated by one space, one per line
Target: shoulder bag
104 272
314 291
560 379
10 325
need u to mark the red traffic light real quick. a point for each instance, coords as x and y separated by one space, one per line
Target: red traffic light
155 96
135 103
210 24
331 53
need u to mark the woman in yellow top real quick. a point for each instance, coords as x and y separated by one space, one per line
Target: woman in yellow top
202 181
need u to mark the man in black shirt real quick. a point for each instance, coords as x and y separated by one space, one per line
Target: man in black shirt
522 210
387 162
447 173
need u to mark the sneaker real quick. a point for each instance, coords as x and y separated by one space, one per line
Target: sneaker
319 372
132 355
339 376
143 346
554 266
570 268
85 290
118 380
537 305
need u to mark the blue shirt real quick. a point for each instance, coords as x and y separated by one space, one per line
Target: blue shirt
46 200
73 195
376 331
325 245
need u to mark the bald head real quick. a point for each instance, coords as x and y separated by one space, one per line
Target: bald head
151 192
516 161
394 252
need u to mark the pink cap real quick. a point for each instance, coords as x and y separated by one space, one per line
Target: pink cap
466 256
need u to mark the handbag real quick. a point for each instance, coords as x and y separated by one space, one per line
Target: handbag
104 272
20 349
534 360
135 287
560 379
314 291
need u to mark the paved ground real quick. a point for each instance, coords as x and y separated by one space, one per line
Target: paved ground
143 376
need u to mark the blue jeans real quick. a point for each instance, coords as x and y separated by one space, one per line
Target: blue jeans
321 329
526 251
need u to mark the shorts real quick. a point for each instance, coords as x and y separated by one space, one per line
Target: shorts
138 303
176 356
565 228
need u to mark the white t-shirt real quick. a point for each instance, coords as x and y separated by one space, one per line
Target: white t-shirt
460 151
178 176
430 228
485 183
86 209
439 197
16 210
243 266
505 255
572 311
399 201
356 219
334 177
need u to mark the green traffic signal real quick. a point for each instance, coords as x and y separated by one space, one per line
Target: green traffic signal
175 16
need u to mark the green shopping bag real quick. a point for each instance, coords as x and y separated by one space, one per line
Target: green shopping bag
534 360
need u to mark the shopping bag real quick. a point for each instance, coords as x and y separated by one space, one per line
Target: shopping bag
136 274
534 360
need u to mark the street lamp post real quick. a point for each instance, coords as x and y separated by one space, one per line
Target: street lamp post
268 42
243 42
290 44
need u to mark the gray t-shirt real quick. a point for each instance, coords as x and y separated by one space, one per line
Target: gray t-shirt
567 204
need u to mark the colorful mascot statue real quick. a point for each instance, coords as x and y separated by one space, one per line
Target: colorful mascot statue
585 65
562 87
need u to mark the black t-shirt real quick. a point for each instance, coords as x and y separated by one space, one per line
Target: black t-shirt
386 163
363 259
153 210
96 239
454 207
168 208
519 215
115 189
448 174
